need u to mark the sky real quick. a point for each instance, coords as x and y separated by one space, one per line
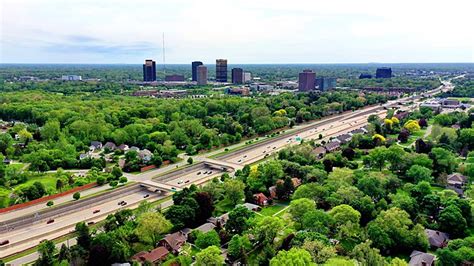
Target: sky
242 31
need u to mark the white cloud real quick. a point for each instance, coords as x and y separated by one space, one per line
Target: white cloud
244 31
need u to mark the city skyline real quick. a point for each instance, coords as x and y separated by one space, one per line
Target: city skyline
272 32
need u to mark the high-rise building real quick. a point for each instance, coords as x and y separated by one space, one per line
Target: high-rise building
201 73
325 84
149 70
306 80
221 70
237 75
365 76
194 66
247 77
383 72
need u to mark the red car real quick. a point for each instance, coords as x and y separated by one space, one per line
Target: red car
4 242
50 221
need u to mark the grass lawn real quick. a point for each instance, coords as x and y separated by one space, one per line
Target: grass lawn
271 210
48 181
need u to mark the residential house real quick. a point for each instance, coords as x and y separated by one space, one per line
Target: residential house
456 180
219 221
204 228
402 115
155 256
110 146
173 242
83 156
252 207
344 138
361 130
418 258
332 146
272 190
260 199
436 238
95 145
7 161
319 152
123 147
145 155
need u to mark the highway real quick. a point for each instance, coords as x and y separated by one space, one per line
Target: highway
25 229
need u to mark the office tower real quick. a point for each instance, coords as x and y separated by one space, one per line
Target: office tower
194 66
325 84
149 70
365 76
174 77
221 70
247 77
237 75
201 75
306 80
383 72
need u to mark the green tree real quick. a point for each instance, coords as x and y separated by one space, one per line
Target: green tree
234 190
344 213
239 246
367 255
294 256
190 160
46 250
267 229
319 251
151 226
210 256
64 253
116 172
452 221
51 130
50 203
419 173
76 196
298 208
238 220
83 235
208 239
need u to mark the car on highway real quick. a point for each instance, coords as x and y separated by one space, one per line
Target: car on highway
198 173
180 182
124 203
187 181
90 223
146 196
50 221
245 156
239 161
4 242
210 172
96 211
120 202
274 147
